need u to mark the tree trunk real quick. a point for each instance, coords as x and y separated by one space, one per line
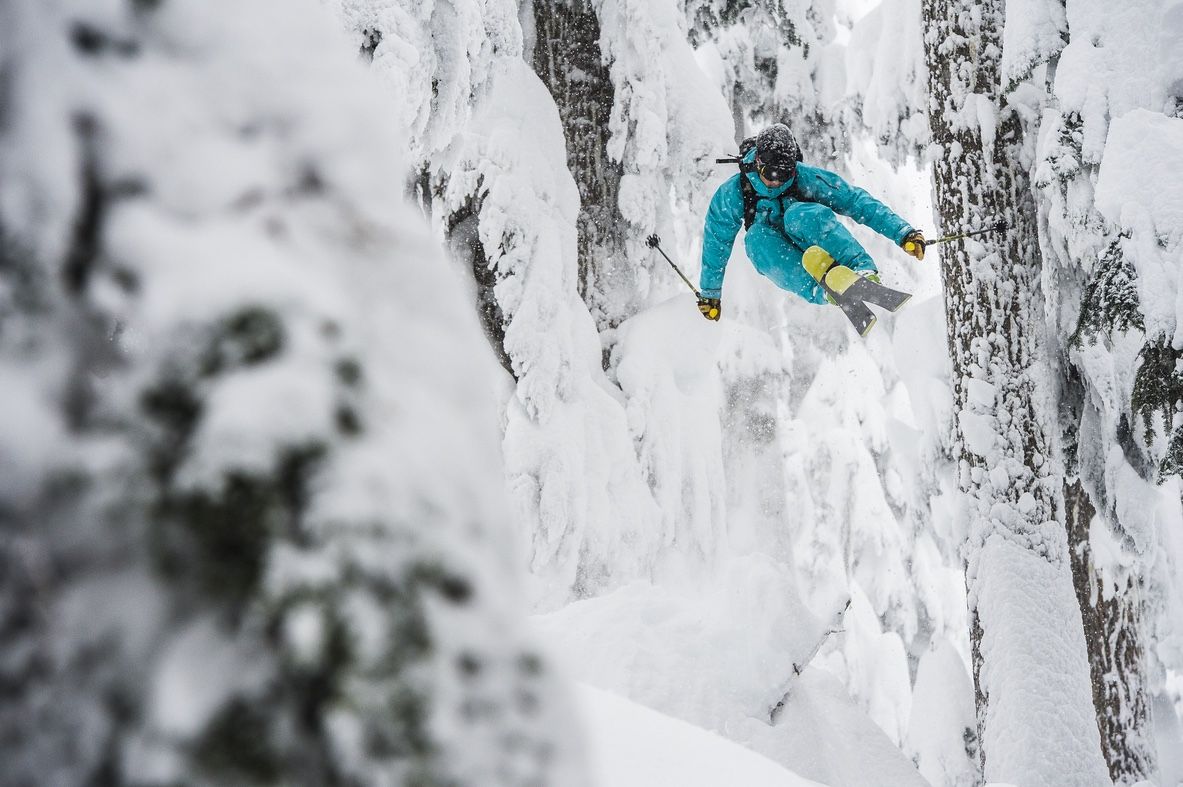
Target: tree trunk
1035 717
1112 616
568 59
1092 300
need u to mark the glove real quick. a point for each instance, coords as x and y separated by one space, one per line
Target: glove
710 308
913 243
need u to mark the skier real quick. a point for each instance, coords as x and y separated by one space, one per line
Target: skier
788 209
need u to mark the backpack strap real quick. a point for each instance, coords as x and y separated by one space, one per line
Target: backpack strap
749 200
750 197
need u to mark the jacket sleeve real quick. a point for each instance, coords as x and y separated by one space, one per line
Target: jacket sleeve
822 186
724 218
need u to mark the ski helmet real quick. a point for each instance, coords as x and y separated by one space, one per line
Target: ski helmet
777 153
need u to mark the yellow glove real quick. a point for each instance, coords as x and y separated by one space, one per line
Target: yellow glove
710 308
914 244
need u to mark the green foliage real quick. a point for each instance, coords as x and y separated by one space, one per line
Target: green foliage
709 16
172 405
1064 160
1111 302
218 539
1158 391
236 748
245 338
1172 461
349 372
22 283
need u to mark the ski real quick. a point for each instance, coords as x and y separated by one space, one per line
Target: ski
851 292
859 314
863 289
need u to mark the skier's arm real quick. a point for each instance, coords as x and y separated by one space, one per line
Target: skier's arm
819 185
724 218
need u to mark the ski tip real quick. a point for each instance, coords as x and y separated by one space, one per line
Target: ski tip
870 325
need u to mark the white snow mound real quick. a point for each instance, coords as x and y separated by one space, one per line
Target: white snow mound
633 746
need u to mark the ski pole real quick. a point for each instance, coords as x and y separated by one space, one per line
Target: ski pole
654 242
998 227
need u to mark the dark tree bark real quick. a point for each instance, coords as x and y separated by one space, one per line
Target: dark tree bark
463 232
568 59
1116 654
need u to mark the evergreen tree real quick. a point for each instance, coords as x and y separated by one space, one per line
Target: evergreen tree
256 537
1118 385
1093 301
779 64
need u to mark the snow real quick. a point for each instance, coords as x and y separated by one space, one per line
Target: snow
722 654
329 460
197 673
710 654
30 435
1032 33
1035 677
943 719
633 746
566 437
1139 180
666 371
885 73
828 738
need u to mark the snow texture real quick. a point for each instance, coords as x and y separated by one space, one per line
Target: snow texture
1138 190
1104 147
885 77
633 746
1037 681
569 457
438 58
829 739
942 728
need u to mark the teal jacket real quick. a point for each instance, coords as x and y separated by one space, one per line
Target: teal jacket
801 228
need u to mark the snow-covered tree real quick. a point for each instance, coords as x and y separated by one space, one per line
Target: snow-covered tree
438 59
1035 711
1093 306
252 524
584 510
1118 365
568 58
641 125
775 61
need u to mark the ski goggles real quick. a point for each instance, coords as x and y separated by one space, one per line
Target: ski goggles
777 171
